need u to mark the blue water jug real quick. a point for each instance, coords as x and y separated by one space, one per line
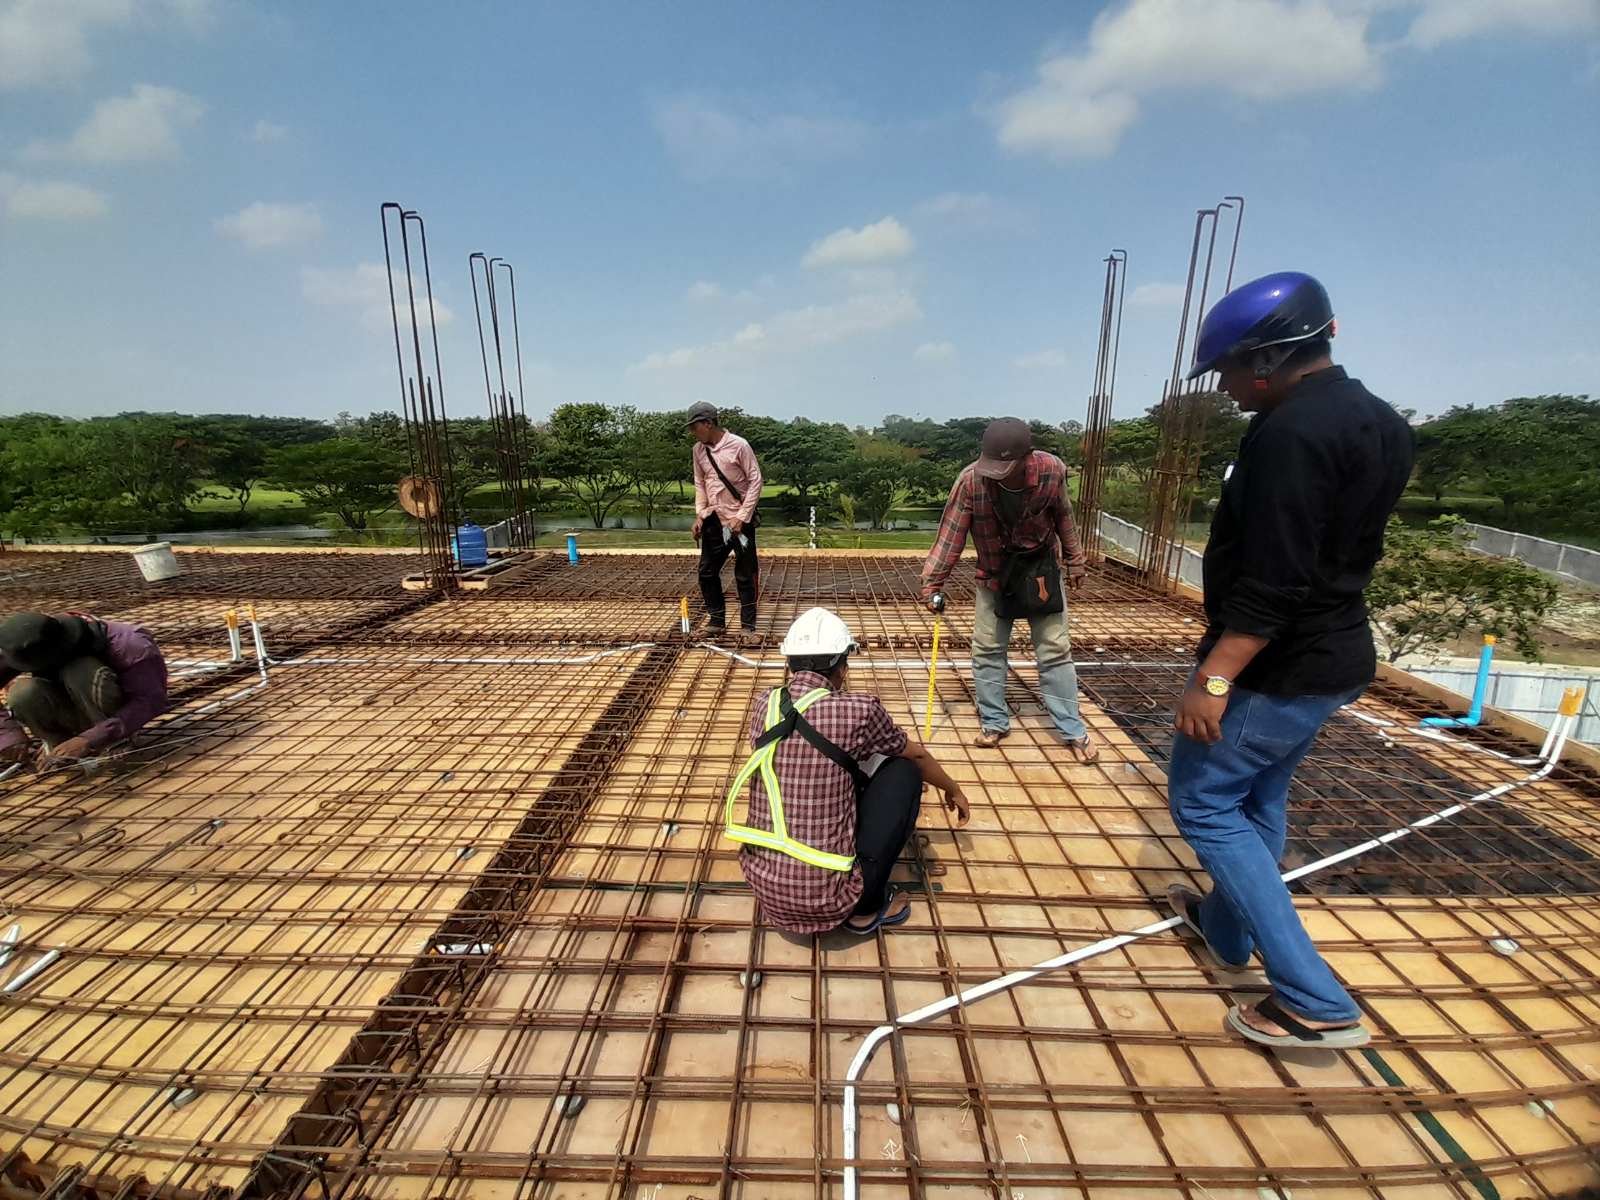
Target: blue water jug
472 547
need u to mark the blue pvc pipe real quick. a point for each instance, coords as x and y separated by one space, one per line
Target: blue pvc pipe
572 548
1479 690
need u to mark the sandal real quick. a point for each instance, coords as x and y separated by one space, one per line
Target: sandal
1301 1036
882 920
1084 749
1183 902
988 739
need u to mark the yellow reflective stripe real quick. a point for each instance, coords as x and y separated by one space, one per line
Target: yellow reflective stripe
778 839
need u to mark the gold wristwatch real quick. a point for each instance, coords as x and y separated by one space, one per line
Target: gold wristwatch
1216 685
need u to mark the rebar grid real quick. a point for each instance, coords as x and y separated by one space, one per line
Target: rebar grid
396 799
99 577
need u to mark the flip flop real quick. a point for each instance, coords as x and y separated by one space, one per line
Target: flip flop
882 920
1182 901
1084 750
988 739
1301 1036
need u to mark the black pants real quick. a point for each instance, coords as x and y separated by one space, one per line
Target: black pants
886 815
714 552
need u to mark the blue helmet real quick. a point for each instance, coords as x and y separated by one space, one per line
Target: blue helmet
1275 310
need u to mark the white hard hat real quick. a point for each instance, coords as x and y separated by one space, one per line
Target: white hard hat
817 633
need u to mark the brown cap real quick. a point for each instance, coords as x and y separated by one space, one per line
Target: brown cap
1006 441
701 410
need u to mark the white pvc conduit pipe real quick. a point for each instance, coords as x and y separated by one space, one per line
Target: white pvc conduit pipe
1548 754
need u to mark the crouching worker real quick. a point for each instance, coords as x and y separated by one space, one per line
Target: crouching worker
76 684
824 828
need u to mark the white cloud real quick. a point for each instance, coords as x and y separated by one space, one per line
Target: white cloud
883 241
45 43
1156 295
262 226
703 290
50 200
1083 102
793 330
139 127
1447 20
363 290
1041 360
934 352
975 210
264 131
713 140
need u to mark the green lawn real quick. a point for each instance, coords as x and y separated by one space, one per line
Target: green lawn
262 499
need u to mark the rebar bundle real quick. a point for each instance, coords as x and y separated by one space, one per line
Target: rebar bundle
431 485
1183 415
508 414
1101 397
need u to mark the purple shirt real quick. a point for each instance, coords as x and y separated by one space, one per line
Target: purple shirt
141 673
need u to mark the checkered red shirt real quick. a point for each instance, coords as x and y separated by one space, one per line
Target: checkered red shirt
819 807
1046 515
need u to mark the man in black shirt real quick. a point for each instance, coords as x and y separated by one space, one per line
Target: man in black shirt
1293 544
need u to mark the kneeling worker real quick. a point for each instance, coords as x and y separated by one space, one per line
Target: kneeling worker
823 835
75 683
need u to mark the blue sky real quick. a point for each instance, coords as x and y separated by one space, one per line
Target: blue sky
833 210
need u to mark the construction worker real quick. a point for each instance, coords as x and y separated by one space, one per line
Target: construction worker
834 790
1293 544
1014 502
727 487
76 684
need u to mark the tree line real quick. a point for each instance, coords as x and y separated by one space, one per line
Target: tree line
1538 458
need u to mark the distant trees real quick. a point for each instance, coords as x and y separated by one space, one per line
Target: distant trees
807 455
655 457
350 478
152 462
1538 456
1536 459
236 447
1430 590
586 457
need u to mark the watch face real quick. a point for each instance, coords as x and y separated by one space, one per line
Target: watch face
1217 686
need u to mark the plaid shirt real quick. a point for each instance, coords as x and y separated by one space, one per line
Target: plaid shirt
1046 515
819 807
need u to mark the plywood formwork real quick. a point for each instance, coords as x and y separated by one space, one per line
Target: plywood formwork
362 1008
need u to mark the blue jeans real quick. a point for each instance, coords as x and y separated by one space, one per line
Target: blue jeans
1230 801
1052 647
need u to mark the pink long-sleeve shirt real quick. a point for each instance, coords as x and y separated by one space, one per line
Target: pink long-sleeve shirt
738 463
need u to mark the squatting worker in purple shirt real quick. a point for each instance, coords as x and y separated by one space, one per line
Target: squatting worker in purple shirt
75 683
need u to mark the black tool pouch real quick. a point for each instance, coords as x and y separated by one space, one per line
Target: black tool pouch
1030 583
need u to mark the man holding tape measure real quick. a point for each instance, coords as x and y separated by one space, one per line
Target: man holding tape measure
1014 502
834 788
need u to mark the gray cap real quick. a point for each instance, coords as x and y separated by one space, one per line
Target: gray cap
1005 441
701 410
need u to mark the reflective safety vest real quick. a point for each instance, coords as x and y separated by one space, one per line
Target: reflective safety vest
778 837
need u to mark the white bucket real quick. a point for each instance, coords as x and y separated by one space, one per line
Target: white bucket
157 562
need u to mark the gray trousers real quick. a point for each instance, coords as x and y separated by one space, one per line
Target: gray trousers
84 693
